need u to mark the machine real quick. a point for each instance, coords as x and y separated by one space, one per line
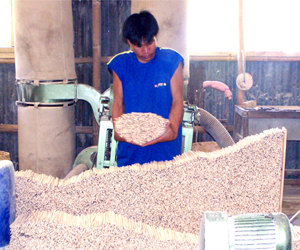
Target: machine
103 155
246 231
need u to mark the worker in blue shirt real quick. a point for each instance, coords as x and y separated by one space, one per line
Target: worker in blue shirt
147 78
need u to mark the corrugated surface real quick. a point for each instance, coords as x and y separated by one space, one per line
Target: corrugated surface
113 15
82 25
274 83
8 110
216 71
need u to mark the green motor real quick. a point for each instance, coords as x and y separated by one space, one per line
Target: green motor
247 231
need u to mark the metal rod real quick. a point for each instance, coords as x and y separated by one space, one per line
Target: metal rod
294 216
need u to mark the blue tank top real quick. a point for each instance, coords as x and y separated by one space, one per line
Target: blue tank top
146 88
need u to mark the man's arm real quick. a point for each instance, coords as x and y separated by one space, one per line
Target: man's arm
118 104
176 112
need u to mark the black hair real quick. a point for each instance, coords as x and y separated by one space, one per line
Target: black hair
140 27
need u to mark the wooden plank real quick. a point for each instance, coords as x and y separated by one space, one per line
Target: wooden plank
292 182
8 128
82 60
283 168
251 56
83 129
13 128
291 199
291 171
79 60
279 112
228 56
249 104
7 60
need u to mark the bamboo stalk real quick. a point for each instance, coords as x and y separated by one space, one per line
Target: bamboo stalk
96 21
240 93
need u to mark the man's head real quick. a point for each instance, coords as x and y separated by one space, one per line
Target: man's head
140 27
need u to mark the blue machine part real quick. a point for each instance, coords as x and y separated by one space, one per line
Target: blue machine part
7 201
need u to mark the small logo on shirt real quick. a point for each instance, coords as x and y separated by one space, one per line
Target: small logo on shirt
160 85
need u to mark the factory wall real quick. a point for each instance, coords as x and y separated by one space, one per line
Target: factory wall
275 83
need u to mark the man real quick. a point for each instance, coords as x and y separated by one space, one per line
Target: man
147 79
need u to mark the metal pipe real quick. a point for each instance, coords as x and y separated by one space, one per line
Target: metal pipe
296 214
47 92
80 168
215 128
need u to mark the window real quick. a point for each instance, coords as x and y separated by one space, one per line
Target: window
272 25
212 26
6 24
6 34
269 26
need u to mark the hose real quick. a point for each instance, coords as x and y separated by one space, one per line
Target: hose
215 128
80 168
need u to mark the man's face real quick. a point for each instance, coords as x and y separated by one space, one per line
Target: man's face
146 52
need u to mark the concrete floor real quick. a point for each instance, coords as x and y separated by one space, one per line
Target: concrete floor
291 202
